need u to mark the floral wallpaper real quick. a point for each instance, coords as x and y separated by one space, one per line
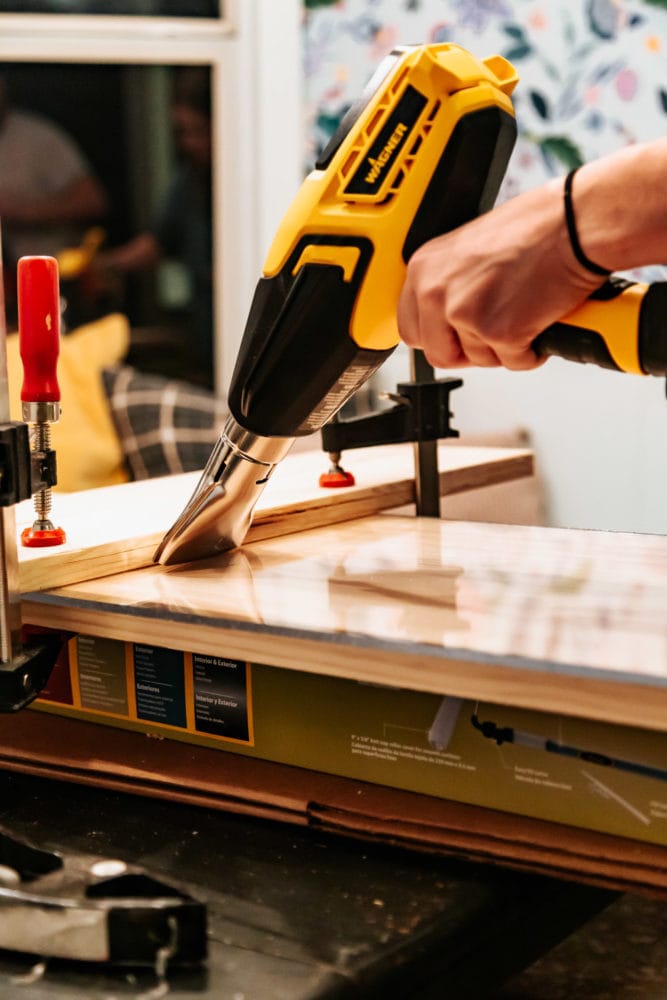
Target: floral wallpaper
593 73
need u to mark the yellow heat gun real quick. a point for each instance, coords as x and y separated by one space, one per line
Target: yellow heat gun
422 152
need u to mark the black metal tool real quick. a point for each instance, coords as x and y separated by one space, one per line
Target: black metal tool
92 909
25 663
420 415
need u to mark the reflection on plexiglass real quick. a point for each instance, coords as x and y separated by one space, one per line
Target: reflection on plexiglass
582 600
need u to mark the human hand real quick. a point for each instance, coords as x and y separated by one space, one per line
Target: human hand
481 294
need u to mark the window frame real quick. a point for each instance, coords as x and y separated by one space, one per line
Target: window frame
252 117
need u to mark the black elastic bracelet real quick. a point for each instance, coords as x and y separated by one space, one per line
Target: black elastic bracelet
572 230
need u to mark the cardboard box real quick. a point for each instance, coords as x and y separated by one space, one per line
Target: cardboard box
590 775
69 749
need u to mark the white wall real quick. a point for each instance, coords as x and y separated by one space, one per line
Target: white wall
599 439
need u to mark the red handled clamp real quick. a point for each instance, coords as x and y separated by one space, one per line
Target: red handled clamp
26 661
39 345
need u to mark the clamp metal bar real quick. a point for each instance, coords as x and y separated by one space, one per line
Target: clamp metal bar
10 609
427 476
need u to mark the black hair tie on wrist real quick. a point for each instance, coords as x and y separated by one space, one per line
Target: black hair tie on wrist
572 230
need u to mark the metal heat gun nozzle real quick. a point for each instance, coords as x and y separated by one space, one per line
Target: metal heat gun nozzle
218 514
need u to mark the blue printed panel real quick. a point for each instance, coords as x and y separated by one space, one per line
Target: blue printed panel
159 683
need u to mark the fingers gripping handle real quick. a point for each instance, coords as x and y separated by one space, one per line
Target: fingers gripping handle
622 326
39 328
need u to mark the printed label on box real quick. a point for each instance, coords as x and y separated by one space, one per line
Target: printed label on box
566 770
101 674
159 684
221 697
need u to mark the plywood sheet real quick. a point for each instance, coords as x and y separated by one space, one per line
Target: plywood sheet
118 528
570 622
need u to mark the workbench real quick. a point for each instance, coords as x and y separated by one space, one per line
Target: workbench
554 621
296 914
545 620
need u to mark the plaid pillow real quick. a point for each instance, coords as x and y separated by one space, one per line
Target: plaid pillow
164 426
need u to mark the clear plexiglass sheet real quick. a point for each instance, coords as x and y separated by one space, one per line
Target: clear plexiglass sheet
125 8
553 619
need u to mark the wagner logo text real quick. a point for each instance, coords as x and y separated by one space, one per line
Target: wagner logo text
378 163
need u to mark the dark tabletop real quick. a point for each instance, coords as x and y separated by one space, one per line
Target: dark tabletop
292 913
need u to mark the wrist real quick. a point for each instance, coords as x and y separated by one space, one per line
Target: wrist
552 239
572 227
598 225
620 207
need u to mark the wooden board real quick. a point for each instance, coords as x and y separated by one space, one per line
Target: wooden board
571 622
118 528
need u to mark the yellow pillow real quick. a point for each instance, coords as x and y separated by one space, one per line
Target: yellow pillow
88 451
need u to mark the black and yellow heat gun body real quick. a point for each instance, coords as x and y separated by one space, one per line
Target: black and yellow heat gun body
422 152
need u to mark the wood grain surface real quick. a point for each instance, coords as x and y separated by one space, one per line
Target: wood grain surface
118 528
559 620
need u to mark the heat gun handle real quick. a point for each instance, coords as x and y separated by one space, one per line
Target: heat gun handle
623 326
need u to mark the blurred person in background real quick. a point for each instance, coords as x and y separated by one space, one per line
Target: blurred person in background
49 194
182 229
